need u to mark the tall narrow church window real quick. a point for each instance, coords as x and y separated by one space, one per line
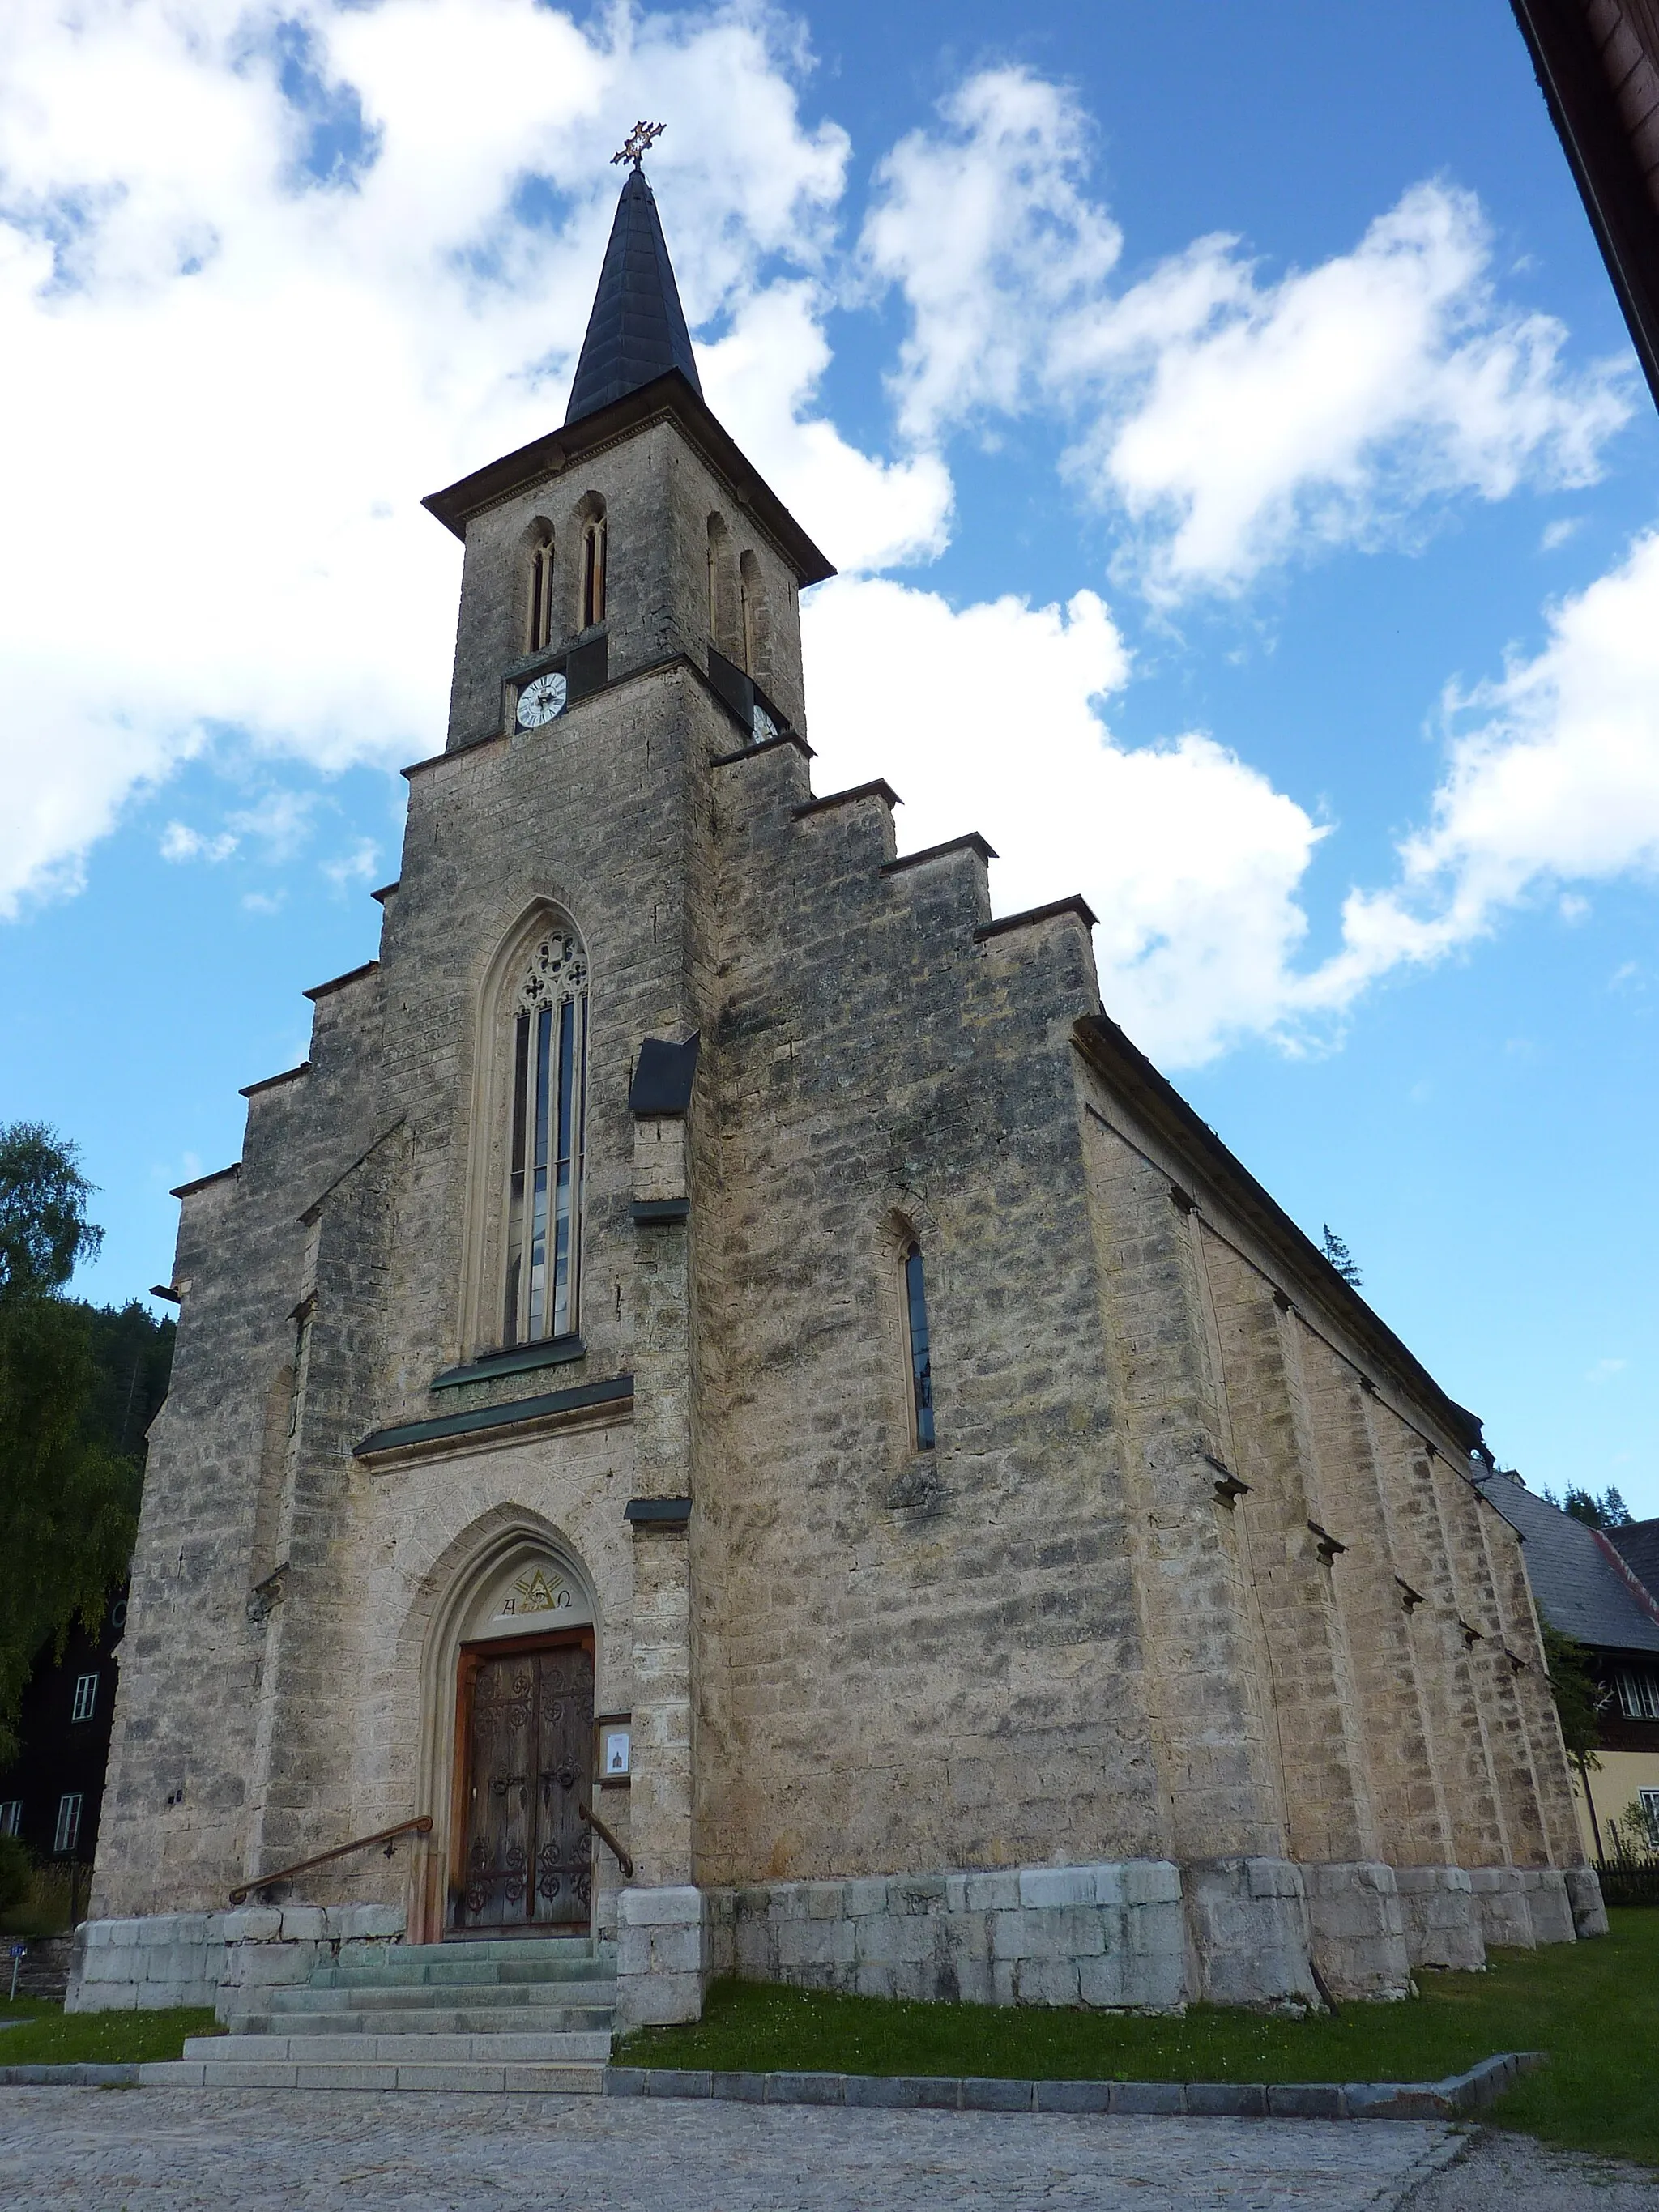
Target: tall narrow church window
921 1368
755 627
544 1176
592 571
541 594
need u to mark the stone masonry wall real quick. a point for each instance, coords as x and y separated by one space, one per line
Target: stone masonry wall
905 1658
161 1961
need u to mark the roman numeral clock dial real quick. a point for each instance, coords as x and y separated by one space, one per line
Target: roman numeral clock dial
542 700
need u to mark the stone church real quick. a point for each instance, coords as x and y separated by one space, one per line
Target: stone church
728 1405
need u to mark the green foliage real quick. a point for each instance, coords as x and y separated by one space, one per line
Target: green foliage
1594 2008
1341 1258
43 1230
1577 1694
1634 1834
1609 1510
17 1873
68 1491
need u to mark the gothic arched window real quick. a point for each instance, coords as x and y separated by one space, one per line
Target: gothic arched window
541 593
545 1155
593 609
917 1347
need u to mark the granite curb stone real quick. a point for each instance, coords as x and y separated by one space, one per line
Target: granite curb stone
1451 2099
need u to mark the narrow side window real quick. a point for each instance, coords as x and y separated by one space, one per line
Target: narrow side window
541 594
544 1151
725 612
592 571
755 619
921 1371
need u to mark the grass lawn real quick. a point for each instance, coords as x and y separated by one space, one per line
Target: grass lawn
51 2037
1594 2007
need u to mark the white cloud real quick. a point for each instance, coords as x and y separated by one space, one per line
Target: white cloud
1605 1370
1189 856
764 374
277 367
359 866
1233 421
986 228
1556 782
179 843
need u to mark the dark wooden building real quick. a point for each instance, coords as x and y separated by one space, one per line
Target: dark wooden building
52 1792
1598 63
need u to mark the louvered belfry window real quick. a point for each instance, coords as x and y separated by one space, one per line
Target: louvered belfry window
544 1175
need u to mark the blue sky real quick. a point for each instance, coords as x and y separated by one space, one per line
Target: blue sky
1240 482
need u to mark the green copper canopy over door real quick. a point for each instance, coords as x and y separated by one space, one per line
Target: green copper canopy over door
530 1732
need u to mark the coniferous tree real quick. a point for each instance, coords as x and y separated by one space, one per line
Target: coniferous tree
1341 1258
68 1498
1609 1510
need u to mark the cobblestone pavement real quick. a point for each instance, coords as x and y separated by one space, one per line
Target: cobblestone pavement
1512 2174
172 2151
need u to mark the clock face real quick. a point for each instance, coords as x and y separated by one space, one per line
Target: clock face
540 700
761 725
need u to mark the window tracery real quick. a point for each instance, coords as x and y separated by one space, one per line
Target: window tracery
545 1157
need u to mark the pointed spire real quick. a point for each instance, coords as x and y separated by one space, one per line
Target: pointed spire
637 329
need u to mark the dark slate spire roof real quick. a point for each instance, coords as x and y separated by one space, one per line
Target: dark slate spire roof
637 329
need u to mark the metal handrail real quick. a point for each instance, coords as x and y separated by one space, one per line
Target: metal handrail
605 1836
421 1826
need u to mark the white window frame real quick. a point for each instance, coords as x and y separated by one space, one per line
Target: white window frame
71 1808
1650 1802
11 1817
1638 1694
85 1698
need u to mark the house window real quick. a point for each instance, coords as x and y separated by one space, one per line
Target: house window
86 1697
68 1831
921 1368
541 594
11 1817
592 571
1651 1807
545 1156
1638 1694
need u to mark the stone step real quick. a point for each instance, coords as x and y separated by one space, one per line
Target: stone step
473 2076
426 2020
308 1996
457 1966
509 1947
555 2049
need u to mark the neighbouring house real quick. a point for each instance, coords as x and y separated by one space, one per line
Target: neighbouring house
1587 1586
52 1793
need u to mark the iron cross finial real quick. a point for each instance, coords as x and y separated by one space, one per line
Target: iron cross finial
638 143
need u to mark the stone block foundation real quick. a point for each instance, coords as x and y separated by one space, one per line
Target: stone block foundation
1136 1935
171 1958
1442 1925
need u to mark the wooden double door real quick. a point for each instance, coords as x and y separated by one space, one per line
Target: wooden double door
526 1747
